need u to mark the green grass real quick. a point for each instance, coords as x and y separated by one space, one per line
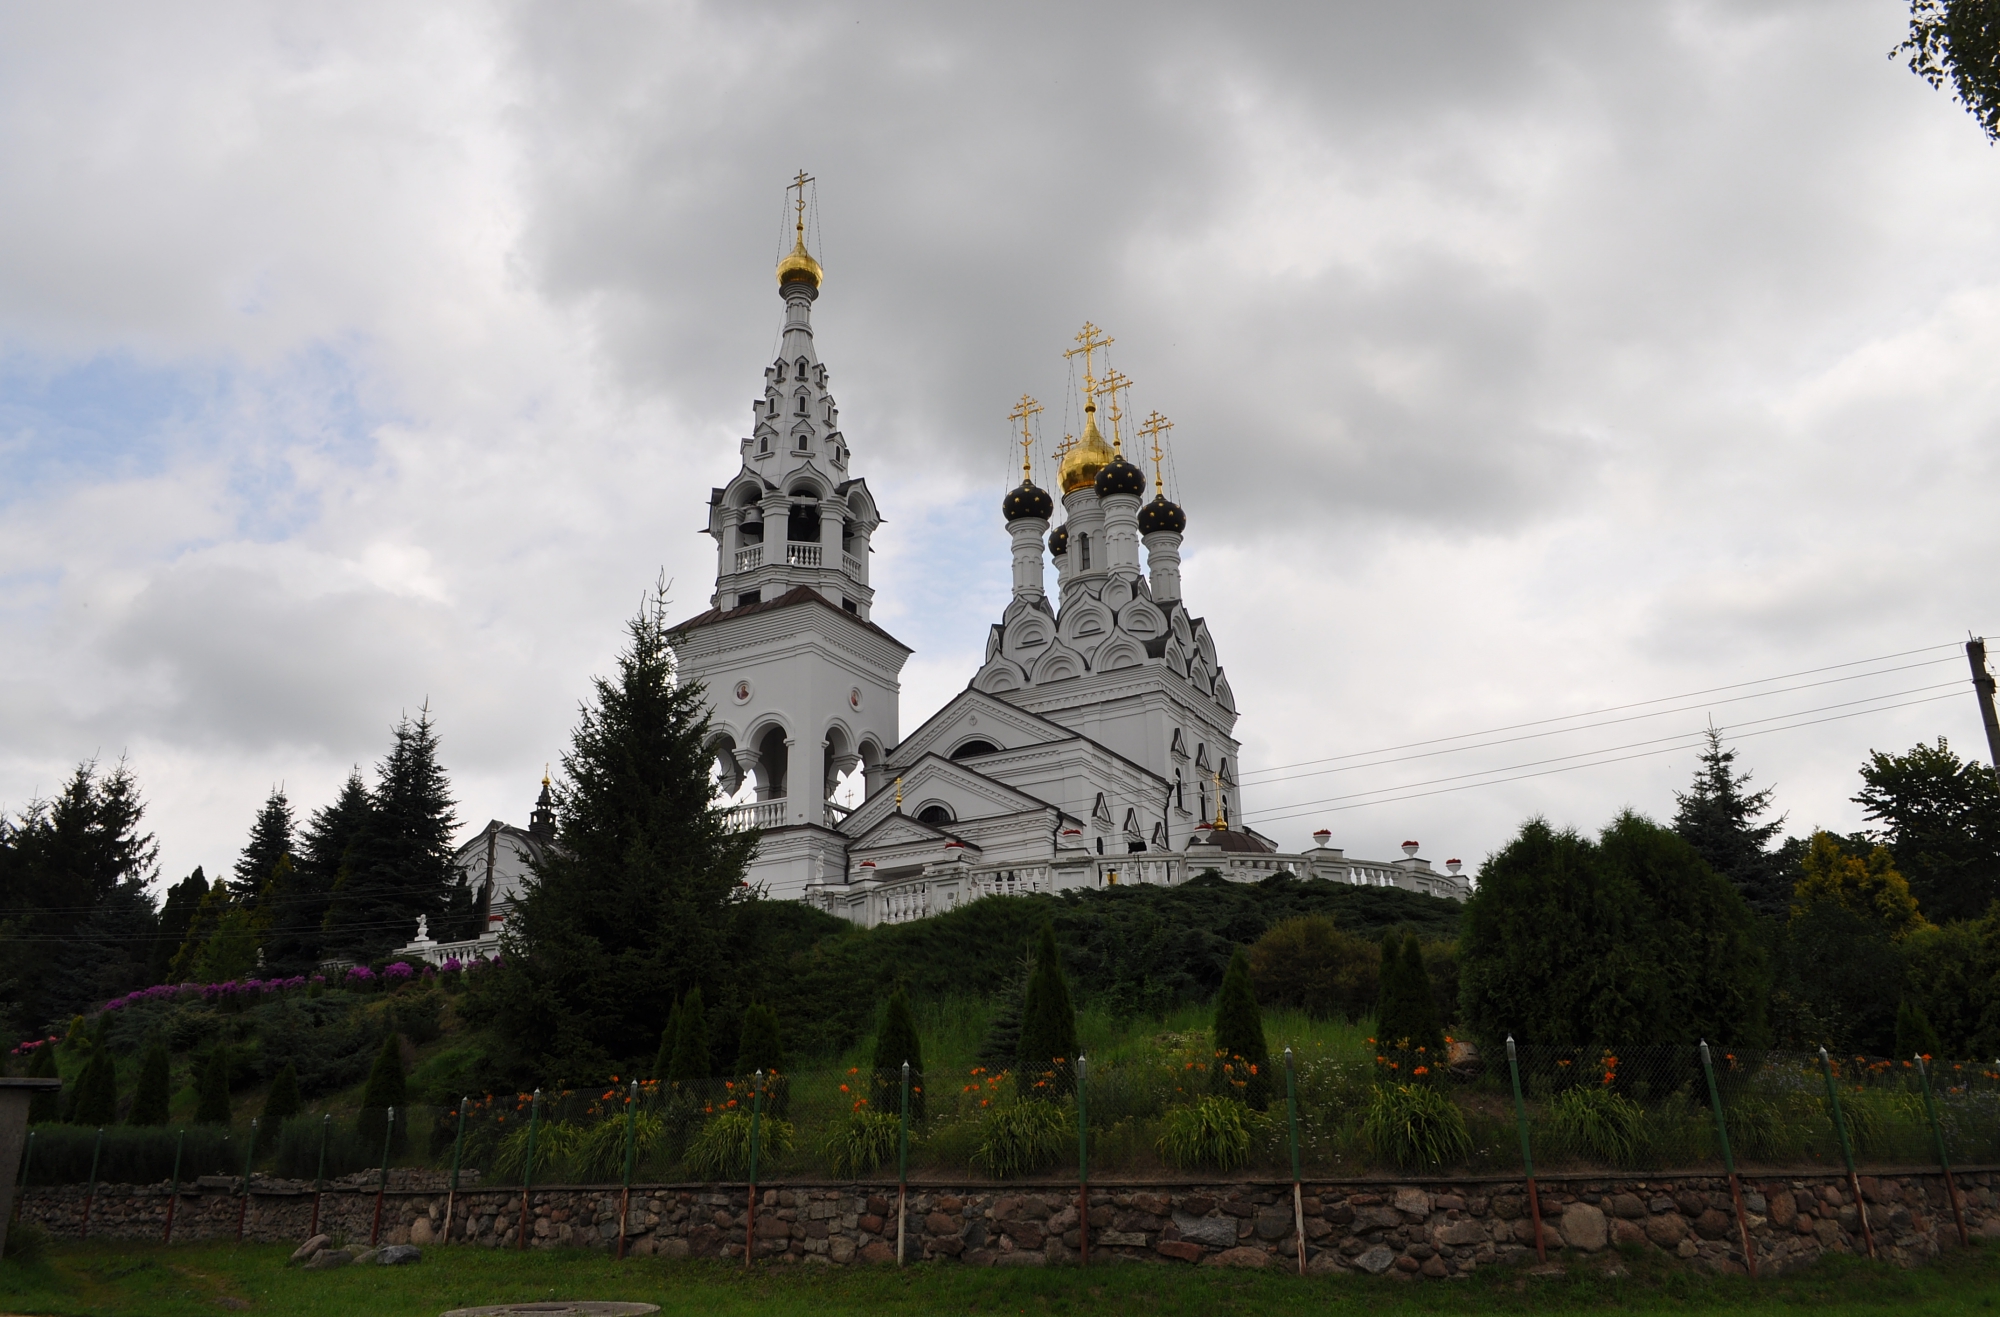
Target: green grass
116 1282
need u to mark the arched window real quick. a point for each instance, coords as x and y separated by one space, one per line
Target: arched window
935 815
1083 553
763 444
802 404
802 367
805 442
972 748
781 370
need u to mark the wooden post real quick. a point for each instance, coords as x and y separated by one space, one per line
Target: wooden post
528 1167
1082 1160
1846 1150
1944 1158
382 1184
1729 1163
174 1189
625 1197
457 1147
903 1175
1982 682
750 1219
1298 1188
1527 1157
319 1176
90 1199
243 1203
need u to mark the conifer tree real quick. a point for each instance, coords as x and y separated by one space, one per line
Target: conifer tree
670 1037
301 898
401 865
896 1041
207 917
154 1095
1914 1034
386 1088
761 1048
638 894
183 899
1242 1064
1390 1009
46 1104
1719 818
95 1098
270 841
1046 1065
212 1097
690 1063
283 1101
1001 1048
1420 1004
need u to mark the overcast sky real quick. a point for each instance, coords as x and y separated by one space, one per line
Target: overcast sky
1526 360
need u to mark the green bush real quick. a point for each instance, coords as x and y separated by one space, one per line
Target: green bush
721 1148
1213 1133
1242 1066
154 1094
599 1155
131 1156
555 1142
1599 1122
1018 1137
1046 1067
855 1144
45 1104
386 1088
897 1044
1415 1126
1308 963
419 1016
27 1243
295 1149
94 1100
212 1107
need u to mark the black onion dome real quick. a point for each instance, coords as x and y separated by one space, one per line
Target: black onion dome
1120 477
1161 515
1026 500
1059 541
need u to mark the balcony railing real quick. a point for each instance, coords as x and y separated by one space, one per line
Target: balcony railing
777 814
746 559
802 555
853 564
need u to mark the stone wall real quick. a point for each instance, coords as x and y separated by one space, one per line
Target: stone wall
1429 1228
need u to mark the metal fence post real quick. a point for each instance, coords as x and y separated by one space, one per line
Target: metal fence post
457 1147
90 1200
903 1175
1082 1160
243 1203
1846 1150
625 1195
1298 1188
1527 1157
174 1188
27 1164
528 1167
319 1176
1944 1159
1729 1162
382 1184
750 1220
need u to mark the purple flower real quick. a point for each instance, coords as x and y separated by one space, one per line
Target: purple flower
397 970
452 964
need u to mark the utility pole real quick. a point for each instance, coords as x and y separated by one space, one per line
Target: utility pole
1982 682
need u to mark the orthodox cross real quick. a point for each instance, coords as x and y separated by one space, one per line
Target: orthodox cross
799 184
1024 411
1114 383
1221 822
1152 428
1090 340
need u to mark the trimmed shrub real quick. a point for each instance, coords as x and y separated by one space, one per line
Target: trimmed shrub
387 1088
44 1106
1045 1067
1308 963
1242 1066
280 1105
150 1101
690 1061
131 1156
296 1144
1212 1133
663 1061
212 1104
94 1100
1415 1126
761 1047
896 1042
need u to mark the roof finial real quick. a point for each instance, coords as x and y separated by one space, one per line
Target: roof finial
1221 820
800 264
1115 383
1153 427
545 774
1024 411
1091 339
899 795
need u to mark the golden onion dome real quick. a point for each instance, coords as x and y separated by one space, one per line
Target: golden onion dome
1081 464
800 265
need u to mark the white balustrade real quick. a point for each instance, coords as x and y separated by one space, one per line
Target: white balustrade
750 558
802 555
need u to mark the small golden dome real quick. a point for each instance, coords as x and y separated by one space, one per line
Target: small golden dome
800 265
1081 464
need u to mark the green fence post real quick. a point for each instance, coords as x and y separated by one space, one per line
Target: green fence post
1082 1159
1729 1161
1944 1159
1846 1149
457 1147
27 1163
319 1176
903 1174
528 1167
90 1199
382 1184
1298 1187
243 1202
756 1122
174 1188
631 1145
1527 1157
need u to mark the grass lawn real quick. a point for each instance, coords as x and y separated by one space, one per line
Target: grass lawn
157 1282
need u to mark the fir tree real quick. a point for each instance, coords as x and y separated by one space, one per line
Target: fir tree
301 898
690 1062
212 1097
94 1101
283 1101
386 1088
1001 1047
207 917
270 841
761 1048
1718 817
46 1104
1390 1010
1242 1064
183 899
401 865
896 1041
1420 1003
154 1095
670 1037
637 895
1914 1034
1046 1066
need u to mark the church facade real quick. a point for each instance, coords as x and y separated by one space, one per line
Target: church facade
1094 746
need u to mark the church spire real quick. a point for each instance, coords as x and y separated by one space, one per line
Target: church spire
799 266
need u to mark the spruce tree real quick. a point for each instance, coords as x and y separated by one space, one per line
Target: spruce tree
670 1037
270 841
896 1041
154 1095
95 1099
1914 1034
1391 1009
401 865
690 1064
1718 817
1420 1004
1001 1047
46 1104
301 900
212 1097
183 898
283 1101
1046 1065
1242 1064
207 917
638 893
386 1088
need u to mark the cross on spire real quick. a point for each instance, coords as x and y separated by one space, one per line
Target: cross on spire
1115 383
1024 411
1090 339
799 185
1152 428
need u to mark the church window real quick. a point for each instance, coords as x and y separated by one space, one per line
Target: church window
804 366
1180 792
805 442
763 444
1203 794
802 404
1101 811
1159 836
749 597
1083 553
850 606
935 815
1180 744
973 748
781 371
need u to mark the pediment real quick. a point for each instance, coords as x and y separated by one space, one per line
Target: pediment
905 830
1000 675
976 794
1002 723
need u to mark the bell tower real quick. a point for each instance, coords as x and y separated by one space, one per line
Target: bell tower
802 686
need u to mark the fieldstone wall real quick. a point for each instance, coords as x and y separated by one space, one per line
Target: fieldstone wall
1434 1229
